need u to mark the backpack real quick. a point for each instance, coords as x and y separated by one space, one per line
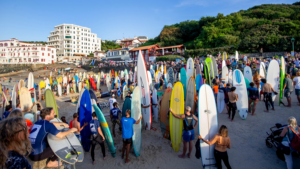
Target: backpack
295 143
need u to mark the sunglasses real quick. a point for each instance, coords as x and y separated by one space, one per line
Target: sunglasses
23 129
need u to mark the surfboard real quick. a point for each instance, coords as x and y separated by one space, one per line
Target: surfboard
50 101
190 95
126 106
198 82
225 74
85 116
177 106
220 101
98 82
145 91
14 96
149 78
207 74
183 80
25 98
248 73
125 91
171 75
198 70
262 70
136 114
59 88
241 90
68 89
208 124
282 76
79 86
223 64
105 130
214 63
155 107
209 65
74 88
273 76
236 55
68 148
30 81
163 112
189 70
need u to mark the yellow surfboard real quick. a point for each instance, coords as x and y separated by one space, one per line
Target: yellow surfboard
177 106
42 84
50 80
1 90
87 84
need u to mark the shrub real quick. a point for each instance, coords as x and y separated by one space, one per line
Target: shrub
168 58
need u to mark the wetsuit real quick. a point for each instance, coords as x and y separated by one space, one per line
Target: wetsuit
188 132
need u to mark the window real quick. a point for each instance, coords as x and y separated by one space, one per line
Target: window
68 37
48 54
42 54
5 44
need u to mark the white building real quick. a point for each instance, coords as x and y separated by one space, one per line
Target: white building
118 54
73 40
17 52
118 41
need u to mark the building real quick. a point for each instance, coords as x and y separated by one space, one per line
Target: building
118 41
118 54
142 39
73 40
99 54
130 43
152 51
17 52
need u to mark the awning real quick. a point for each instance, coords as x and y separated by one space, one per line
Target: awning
79 54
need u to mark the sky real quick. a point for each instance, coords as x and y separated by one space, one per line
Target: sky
33 20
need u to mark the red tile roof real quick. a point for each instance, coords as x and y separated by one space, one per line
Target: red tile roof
144 47
168 47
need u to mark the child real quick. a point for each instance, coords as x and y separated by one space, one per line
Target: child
216 90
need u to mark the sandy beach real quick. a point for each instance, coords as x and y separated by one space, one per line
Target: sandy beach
247 136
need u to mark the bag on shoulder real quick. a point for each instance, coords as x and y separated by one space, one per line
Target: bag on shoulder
295 143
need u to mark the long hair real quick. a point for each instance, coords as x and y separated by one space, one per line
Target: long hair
292 122
256 74
223 131
16 113
9 138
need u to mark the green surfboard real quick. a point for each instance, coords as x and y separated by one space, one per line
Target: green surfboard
50 101
105 130
207 74
209 63
282 76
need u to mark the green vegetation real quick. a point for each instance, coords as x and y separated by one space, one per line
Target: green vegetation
270 27
109 45
91 55
168 58
42 42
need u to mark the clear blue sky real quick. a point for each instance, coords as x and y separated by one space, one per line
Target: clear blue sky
32 20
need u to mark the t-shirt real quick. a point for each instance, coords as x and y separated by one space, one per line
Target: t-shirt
38 113
297 63
38 135
111 102
297 81
94 125
215 88
232 97
5 114
253 92
289 84
127 127
267 88
115 112
16 160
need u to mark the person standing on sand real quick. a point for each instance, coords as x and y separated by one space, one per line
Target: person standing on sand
288 89
253 97
114 117
111 101
127 127
233 98
96 137
256 79
222 142
188 132
75 124
296 82
267 90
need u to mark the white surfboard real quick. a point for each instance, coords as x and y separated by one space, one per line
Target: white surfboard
262 70
47 82
14 97
149 78
216 73
248 73
241 90
65 80
136 114
273 76
223 64
236 55
225 75
68 89
30 81
59 90
145 91
230 76
220 101
189 69
98 82
208 124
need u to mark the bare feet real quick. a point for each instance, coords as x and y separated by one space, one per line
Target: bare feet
53 164
127 161
253 114
181 156
104 158
93 162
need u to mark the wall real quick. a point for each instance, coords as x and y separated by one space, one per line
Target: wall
7 68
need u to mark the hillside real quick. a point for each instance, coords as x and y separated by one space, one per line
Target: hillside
270 27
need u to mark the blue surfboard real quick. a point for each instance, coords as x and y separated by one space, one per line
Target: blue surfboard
85 116
183 79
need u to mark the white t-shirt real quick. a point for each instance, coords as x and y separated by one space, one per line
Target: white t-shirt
111 102
297 81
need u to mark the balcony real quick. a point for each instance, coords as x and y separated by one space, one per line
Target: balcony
68 47
77 34
54 40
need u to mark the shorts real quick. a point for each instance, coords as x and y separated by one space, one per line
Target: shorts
287 93
297 92
188 135
127 141
261 92
253 98
226 100
116 121
216 95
